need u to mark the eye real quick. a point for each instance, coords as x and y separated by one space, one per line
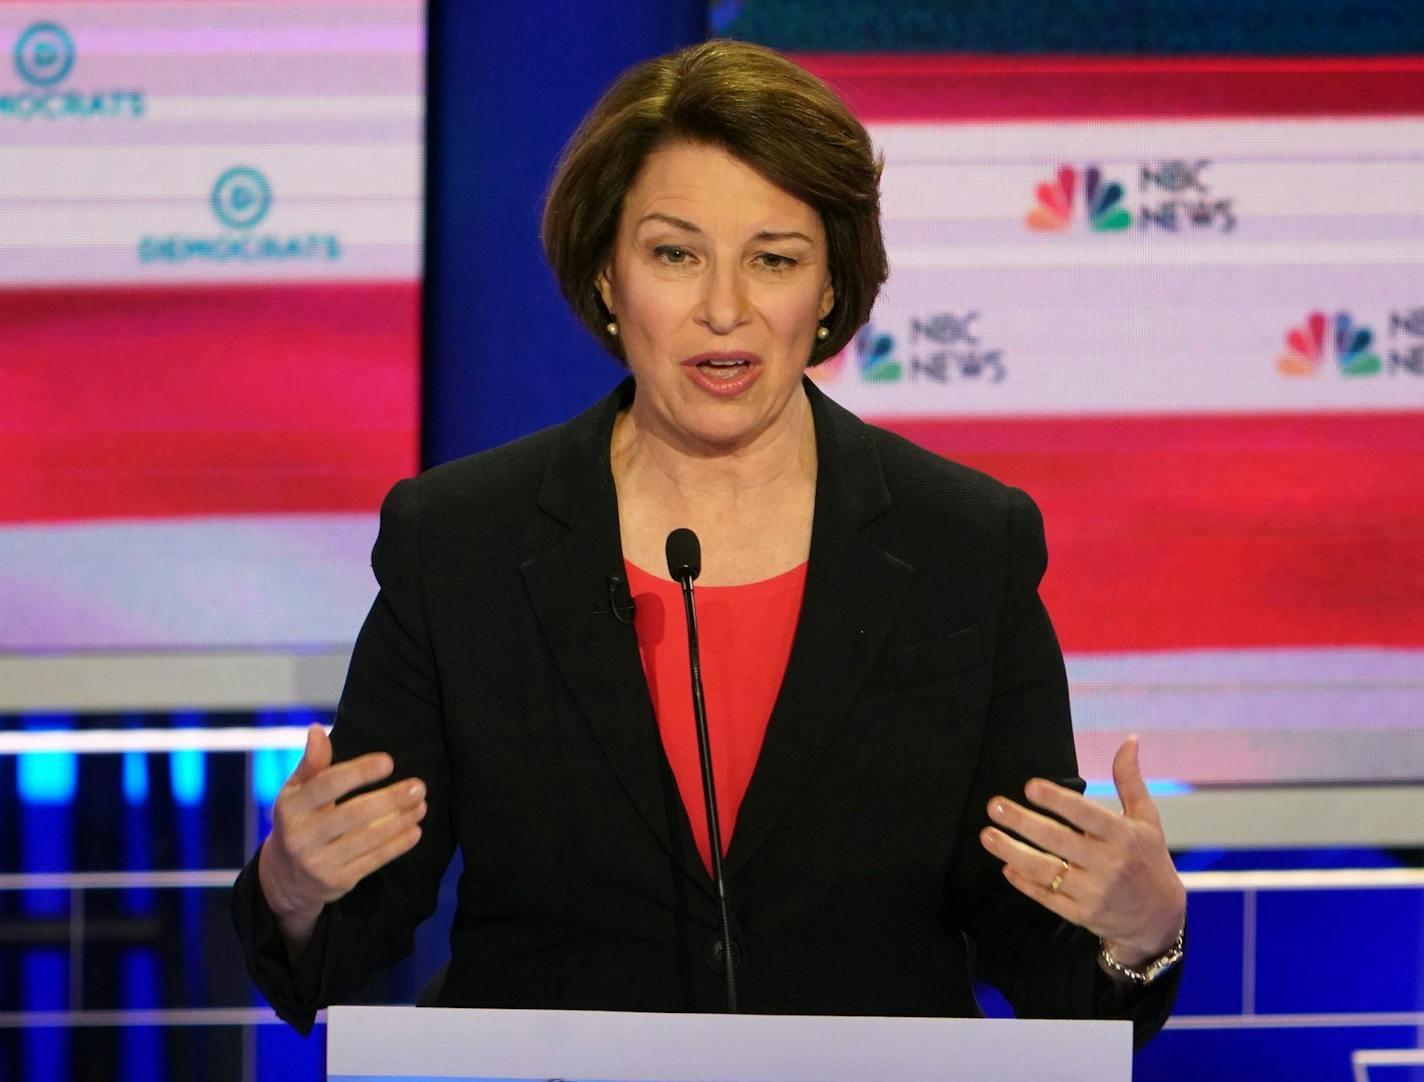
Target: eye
775 261
671 253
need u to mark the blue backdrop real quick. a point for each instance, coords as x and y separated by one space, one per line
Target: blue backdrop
509 82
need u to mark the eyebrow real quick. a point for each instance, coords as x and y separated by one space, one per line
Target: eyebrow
684 224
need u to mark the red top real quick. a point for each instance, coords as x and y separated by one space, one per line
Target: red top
745 635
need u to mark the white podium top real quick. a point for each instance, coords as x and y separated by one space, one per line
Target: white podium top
413 1044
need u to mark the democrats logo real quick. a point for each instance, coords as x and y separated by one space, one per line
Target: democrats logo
1340 342
241 197
44 56
1173 196
240 200
947 347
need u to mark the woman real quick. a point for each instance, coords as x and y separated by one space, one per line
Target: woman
888 703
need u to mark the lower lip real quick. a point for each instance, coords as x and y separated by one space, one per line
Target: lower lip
724 386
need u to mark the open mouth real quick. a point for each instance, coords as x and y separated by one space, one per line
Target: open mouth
724 368
724 373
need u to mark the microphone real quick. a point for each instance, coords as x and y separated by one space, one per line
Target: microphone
684 559
620 600
684 554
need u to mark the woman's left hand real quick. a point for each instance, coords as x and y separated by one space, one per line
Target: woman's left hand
1112 875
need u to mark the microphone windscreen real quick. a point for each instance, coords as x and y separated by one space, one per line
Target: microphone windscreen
684 554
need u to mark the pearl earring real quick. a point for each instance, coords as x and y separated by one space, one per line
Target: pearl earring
612 328
823 332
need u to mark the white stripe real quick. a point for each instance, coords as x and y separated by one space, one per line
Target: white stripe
1195 882
135 880
1159 336
256 107
92 741
1387 1057
1385 1019
391 218
1259 689
233 581
1306 879
185 174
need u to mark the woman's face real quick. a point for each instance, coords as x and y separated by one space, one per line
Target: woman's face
718 279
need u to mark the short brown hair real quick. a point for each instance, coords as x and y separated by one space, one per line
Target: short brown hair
762 109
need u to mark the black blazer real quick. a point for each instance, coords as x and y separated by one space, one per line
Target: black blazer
924 678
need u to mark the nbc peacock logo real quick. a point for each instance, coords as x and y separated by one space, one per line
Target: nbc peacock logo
1305 347
1308 344
1352 347
875 356
1102 202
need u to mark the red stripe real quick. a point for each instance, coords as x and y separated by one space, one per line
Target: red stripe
129 402
950 87
1190 532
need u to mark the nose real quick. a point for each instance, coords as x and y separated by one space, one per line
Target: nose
724 299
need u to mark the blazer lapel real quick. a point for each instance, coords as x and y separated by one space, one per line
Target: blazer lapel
598 656
854 589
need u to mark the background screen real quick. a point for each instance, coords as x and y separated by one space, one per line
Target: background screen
1167 275
209 316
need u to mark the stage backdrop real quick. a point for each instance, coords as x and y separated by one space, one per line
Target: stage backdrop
1167 274
209 316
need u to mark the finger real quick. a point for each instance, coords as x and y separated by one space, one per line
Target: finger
1047 834
336 781
354 846
357 813
317 755
1029 862
382 855
1074 808
1058 902
1131 786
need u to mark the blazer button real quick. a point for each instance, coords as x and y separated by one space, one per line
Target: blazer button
712 954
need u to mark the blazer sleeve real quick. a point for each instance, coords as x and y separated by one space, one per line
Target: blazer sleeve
391 703
1044 966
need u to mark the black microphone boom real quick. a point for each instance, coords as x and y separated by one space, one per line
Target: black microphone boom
684 557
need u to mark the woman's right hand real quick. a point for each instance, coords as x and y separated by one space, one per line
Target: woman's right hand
318 849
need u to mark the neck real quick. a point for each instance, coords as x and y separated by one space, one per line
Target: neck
666 466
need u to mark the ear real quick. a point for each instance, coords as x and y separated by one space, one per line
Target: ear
828 301
604 283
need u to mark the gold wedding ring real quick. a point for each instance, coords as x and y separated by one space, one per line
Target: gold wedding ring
1057 883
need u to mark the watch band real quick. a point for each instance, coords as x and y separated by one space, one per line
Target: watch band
1153 969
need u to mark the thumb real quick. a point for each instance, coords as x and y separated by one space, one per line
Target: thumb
1131 786
316 757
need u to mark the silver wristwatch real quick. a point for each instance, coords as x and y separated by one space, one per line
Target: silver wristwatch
1153 969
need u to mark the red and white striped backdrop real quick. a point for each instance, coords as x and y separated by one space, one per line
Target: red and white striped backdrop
1212 381
209 315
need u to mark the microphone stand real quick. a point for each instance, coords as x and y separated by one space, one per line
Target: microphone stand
684 554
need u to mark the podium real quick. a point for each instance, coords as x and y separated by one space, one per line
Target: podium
425 1044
